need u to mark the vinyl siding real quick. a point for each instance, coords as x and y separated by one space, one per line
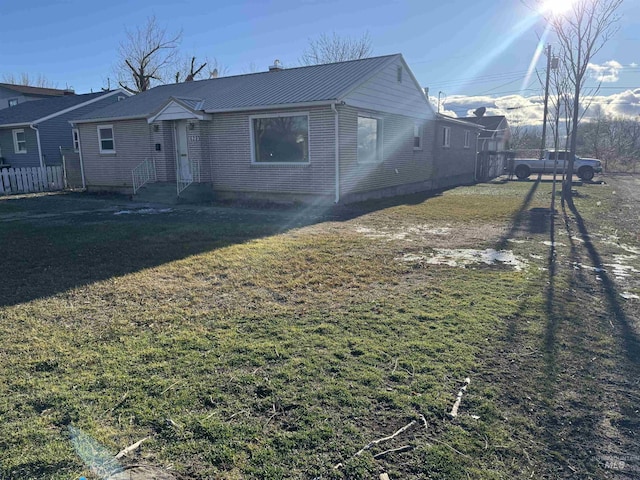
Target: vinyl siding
6 95
454 165
132 144
401 164
383 93
19 160
230 153
56 133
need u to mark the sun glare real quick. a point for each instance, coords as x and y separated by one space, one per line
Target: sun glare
556 7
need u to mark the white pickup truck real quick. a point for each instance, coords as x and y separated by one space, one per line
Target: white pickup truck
585 168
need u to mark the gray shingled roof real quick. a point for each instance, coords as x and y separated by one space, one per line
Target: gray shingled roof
36 91
289 86
490 124
27 112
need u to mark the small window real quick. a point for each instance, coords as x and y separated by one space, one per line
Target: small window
280 138
76 140
13 102
121 97
417 136
446 137
467 136
105 139
369 140
19 141
399 74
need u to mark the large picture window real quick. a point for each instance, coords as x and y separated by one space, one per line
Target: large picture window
369 140
105 139
280 139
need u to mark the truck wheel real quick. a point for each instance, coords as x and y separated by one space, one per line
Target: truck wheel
522 172
586 173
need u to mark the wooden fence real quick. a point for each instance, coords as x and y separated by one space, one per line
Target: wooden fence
27 180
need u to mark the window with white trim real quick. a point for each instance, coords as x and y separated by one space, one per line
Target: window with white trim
417 136
106 141
19 141
369 139
13 102
282 138
467 137
76 140
446 137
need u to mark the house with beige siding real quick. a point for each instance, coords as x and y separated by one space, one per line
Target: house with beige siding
337 132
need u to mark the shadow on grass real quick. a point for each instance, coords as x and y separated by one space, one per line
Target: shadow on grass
630 340
520 217
54 243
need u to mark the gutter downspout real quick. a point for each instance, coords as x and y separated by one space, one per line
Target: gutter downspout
336 136
84 183
35 127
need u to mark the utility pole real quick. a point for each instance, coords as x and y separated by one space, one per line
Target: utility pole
439 93
546 103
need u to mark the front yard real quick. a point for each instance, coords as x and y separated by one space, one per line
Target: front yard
277 343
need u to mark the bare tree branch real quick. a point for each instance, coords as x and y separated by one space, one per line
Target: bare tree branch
26 80
334 48
146 56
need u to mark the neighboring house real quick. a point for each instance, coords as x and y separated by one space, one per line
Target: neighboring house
493 144
455 151
32 133
335 133
12 95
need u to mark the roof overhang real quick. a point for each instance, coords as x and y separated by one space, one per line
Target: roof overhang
118 91
445 118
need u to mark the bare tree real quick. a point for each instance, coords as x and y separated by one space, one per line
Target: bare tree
146 56
188 69
582 32
334 48
26 80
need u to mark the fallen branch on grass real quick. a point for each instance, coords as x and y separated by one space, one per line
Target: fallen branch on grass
126 451
403 448
456 405
379 440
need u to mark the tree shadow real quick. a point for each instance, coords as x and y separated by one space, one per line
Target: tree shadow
631 342
54 243
521 216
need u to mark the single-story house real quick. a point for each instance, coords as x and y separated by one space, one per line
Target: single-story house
337 132
32 133
455 151
12 95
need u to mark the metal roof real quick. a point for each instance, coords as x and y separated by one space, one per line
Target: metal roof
490 124
28 112
290 86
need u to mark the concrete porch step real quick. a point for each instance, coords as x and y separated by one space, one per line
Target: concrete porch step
165 192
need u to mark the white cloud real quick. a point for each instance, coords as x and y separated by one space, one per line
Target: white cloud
528 111
607 72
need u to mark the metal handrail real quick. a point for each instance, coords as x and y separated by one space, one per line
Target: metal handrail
143 173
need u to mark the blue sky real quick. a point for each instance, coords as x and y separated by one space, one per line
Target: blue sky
458 47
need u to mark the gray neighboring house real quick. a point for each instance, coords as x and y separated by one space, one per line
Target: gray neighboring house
32 133
455 156
337 132
493 144
13 95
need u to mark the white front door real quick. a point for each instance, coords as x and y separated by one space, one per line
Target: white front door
182 152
